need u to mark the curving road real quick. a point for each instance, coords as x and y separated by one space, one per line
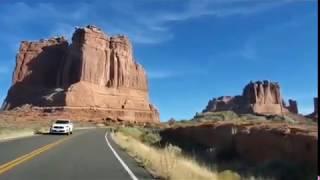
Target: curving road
85 155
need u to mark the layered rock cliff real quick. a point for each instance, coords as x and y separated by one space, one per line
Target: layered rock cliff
262 97
94 71
104 61
37 62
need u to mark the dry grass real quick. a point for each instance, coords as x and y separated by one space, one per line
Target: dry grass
10 133
168 163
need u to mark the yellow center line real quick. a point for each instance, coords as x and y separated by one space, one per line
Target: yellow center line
9 165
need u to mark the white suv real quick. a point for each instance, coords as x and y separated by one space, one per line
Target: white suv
62 126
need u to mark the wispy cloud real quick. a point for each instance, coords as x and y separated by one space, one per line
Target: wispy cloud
219 8
161 74
134 18
176 72
159 21
250 49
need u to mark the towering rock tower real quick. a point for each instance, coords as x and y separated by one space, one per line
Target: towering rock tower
94 72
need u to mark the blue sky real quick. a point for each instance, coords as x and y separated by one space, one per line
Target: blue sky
192 50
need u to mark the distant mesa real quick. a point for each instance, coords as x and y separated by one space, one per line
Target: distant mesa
95 72
260 97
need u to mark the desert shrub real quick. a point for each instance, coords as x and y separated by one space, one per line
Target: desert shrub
41 130
278 118
150 138
252 117
216 116
183 120
228 175
131 131
171 121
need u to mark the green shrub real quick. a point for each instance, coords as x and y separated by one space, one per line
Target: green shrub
131 131
150 138
228 175
215 116
147 136
252 117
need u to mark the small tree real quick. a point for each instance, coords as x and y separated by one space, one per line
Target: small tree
171 121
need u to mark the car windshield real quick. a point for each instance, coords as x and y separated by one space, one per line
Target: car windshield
62 122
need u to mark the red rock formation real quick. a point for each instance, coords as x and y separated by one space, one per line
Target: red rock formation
314 114
37 62
257 97
264 97
253 142
226 103
293 106
104 61
95 71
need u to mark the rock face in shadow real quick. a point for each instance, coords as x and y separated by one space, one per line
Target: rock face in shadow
94 72
314 114
293 106
255 143
37 62
261 97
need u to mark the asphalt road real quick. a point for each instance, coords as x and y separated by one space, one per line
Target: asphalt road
85 155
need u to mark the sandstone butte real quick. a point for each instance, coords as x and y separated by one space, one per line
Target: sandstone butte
261 97
93 73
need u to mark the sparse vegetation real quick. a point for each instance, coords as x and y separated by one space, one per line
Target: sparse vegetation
215 116
167 162
226 158
147 136
8 133
234 117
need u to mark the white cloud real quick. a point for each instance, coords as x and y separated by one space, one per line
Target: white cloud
134 18
251 48
197 8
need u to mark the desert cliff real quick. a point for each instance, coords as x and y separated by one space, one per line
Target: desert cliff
94 72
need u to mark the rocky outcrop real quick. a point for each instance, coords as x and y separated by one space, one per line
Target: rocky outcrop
261 97
37 62
226 103
255 143
314 114
293 106
94 71
104 61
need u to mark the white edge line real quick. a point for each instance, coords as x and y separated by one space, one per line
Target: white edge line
125 166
